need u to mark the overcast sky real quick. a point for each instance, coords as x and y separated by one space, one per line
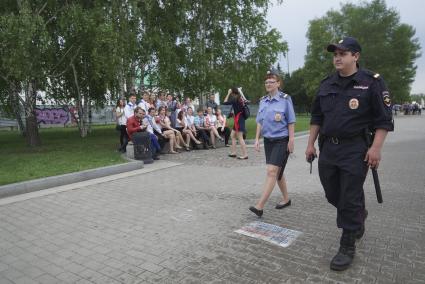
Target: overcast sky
291 18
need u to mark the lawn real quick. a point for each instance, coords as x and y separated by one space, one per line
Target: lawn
63 151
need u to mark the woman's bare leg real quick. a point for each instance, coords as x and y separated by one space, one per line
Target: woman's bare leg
233 137
180 137
212 136
242 144
284 189
268 186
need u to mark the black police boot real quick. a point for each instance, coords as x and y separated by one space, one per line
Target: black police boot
360 233
347 249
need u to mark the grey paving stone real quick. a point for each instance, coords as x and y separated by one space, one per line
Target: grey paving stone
176 225
47 279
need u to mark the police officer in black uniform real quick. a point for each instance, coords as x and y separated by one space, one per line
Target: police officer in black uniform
349 103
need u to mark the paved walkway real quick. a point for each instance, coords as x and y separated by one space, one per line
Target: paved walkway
176 224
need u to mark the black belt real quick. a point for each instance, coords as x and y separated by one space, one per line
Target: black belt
276 139
342 140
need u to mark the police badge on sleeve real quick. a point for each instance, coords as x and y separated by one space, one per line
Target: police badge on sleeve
386 98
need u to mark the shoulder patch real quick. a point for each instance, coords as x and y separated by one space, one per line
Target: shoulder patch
376 76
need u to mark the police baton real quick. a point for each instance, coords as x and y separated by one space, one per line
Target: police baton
310 160
368 136
377 185
283 165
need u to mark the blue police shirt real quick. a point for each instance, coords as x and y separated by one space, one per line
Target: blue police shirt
274 115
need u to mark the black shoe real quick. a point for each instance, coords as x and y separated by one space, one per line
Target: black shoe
156 157
342 260
257 212
360 233
232 155
281 206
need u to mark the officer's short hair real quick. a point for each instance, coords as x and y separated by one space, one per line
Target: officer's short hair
272 76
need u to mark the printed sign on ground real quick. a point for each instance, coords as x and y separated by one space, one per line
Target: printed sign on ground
271 233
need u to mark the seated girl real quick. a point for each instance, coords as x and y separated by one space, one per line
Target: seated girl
211 125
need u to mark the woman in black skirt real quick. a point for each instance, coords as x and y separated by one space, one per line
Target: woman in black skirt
276 123
235 99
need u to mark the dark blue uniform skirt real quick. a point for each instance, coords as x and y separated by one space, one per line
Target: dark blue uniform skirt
276 150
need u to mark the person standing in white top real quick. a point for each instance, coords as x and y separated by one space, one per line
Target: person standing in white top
161 100
144 103
129 108
121 125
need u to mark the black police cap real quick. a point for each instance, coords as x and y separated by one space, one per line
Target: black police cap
348 44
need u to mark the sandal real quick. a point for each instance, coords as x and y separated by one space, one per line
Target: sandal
243 158
172 152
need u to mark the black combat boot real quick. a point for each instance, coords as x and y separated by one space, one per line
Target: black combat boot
360 233
347 249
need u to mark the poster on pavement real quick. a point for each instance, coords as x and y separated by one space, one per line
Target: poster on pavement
270 233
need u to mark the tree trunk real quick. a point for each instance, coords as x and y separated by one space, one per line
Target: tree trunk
32 135
90 108
84 117
16 107
81 105
142 76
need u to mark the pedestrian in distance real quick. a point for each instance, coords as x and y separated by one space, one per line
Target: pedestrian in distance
235 99
349 104
276 123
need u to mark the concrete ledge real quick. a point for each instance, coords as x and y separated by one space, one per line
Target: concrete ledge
48 182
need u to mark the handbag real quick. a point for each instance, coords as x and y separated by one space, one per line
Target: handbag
246 112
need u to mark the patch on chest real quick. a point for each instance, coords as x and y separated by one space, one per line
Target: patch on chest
277 117
353 104
360 87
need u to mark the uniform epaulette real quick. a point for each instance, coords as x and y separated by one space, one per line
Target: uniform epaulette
372 74
283 95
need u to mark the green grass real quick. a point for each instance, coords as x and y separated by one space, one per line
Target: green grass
62 151
302 124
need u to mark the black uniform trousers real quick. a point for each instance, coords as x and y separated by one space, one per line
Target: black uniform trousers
342 173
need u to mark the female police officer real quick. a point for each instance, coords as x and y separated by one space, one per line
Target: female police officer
349 104
276 123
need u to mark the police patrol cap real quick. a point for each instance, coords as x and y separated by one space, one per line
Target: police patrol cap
347 44
272 71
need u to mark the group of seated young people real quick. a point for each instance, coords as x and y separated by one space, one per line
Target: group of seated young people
167 120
